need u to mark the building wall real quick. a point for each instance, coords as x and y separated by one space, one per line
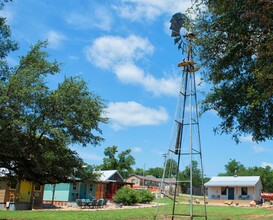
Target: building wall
69 192
134 180
3 186
61 192
258 191
91 190
100 190
38 196
26 197
215 193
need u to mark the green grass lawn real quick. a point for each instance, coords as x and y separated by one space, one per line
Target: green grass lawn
213 213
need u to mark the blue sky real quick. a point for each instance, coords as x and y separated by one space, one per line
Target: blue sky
123 50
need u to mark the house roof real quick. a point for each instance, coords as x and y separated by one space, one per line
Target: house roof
148 177
106 175
233 181
3 172
152 178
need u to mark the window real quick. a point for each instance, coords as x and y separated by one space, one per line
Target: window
133 181
75 186
12 185
37 187
223 191
91 187
244 191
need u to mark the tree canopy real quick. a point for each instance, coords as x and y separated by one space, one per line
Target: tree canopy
234 167
235 42
123 162
37 123
196 176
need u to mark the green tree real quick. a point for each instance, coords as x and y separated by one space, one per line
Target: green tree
170 168
234 168
37 123
265 173
156 172
140 171
236 48
185 176
110 162
123 162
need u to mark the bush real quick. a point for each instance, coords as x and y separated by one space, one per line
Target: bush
126 196
145 196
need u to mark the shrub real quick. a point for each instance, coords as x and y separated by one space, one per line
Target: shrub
126 196
145 196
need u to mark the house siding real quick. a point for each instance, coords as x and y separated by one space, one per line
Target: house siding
61 192
2 191
26 196
253 185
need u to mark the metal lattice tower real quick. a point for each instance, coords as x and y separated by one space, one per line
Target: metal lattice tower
185 150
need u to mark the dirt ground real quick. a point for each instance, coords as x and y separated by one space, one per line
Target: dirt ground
109 206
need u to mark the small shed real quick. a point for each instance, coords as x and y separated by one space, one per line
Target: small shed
27 196
110 181
234 188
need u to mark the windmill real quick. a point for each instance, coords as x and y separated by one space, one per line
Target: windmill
186 147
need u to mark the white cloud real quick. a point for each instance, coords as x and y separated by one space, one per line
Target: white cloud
120 55
88 18
247 138
258 149
166 86
150 9
264 164
137 149
110 50
126 114
55 39
130 73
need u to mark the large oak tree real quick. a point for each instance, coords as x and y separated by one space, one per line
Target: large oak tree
38 123
235 40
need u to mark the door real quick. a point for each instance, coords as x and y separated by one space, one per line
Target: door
25 191
231 193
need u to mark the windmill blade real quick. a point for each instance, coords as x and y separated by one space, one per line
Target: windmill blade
174 21
182 20
178 15
175 27
176 40
175 34
180 45
177 22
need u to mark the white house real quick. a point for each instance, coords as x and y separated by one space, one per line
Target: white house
234 188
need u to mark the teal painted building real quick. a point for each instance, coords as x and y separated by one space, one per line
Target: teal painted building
68 192
65 194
